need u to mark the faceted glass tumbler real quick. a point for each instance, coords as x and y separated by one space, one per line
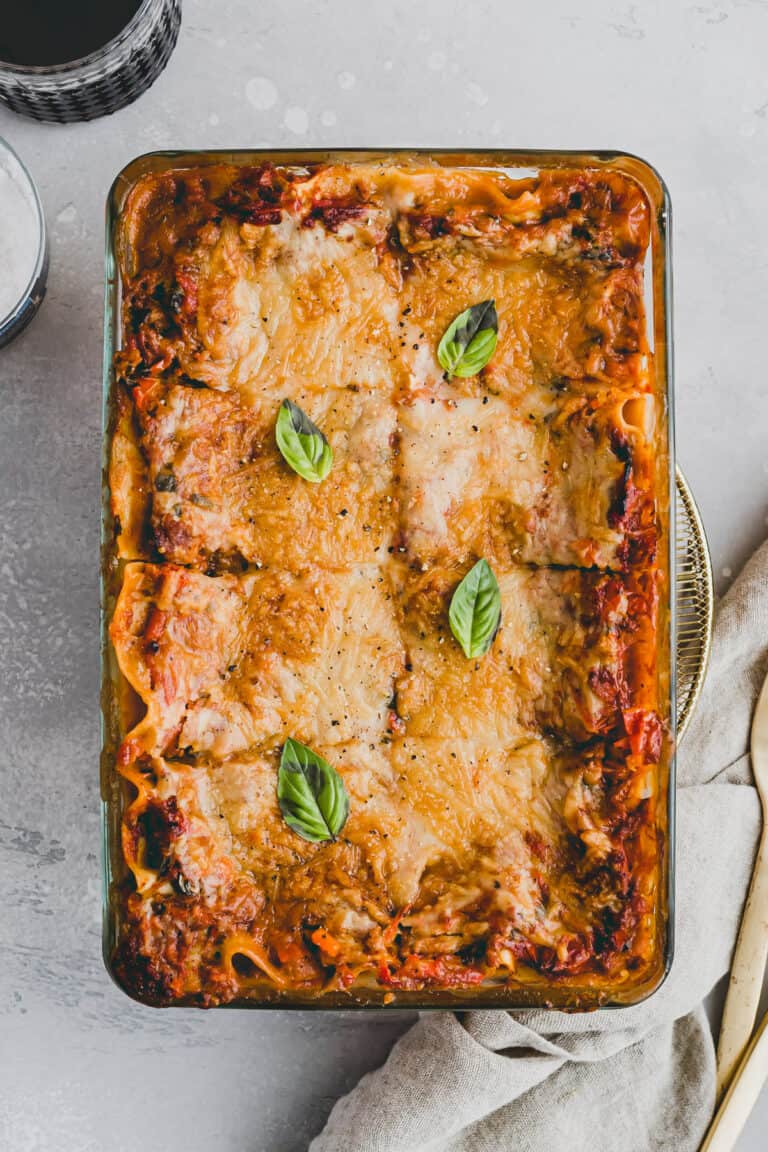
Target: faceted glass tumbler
107 79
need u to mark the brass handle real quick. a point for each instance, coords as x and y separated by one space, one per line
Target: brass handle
740 1098
749 958
745 986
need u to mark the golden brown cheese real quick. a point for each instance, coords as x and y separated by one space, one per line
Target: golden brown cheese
503 811
198 479
259 290
240 293
556 322
227 663
222 493
481 476
566 659
261 311
468 840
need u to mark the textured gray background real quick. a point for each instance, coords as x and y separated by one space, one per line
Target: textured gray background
683 84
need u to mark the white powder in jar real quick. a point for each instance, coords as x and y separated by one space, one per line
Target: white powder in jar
19 232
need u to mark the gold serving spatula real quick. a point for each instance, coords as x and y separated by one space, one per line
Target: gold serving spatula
749 958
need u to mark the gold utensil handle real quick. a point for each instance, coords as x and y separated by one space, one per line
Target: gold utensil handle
740 1098
745 986
749 959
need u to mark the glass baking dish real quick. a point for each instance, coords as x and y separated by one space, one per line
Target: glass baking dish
567 994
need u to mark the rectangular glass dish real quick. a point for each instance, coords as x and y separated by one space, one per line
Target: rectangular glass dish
510 837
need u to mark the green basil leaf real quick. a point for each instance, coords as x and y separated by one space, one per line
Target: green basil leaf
475 612
311 794
470 340
302 444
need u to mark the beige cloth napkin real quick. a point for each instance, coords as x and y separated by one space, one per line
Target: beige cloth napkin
632 1080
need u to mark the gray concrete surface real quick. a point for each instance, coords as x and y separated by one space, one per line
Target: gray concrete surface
683 84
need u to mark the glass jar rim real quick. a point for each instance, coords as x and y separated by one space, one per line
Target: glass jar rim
10 318
91 58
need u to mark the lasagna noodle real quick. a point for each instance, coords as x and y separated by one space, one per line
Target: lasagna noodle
223 663
558 321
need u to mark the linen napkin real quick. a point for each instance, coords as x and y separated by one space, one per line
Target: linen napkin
636 1079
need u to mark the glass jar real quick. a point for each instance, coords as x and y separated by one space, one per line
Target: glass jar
103 81
23 246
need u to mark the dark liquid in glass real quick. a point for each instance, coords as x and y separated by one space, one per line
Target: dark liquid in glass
41 33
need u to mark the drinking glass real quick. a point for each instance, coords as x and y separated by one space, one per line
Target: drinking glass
103 81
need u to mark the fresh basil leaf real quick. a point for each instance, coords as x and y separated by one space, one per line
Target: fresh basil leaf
302 444
311 794
470 340
475 612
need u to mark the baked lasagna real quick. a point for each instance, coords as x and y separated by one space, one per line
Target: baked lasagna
388 483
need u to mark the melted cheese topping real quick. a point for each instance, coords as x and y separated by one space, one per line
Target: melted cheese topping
237 823
548 667
227 663
259 288
522 461
556 322
424 813
221 489
503 811
481 476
